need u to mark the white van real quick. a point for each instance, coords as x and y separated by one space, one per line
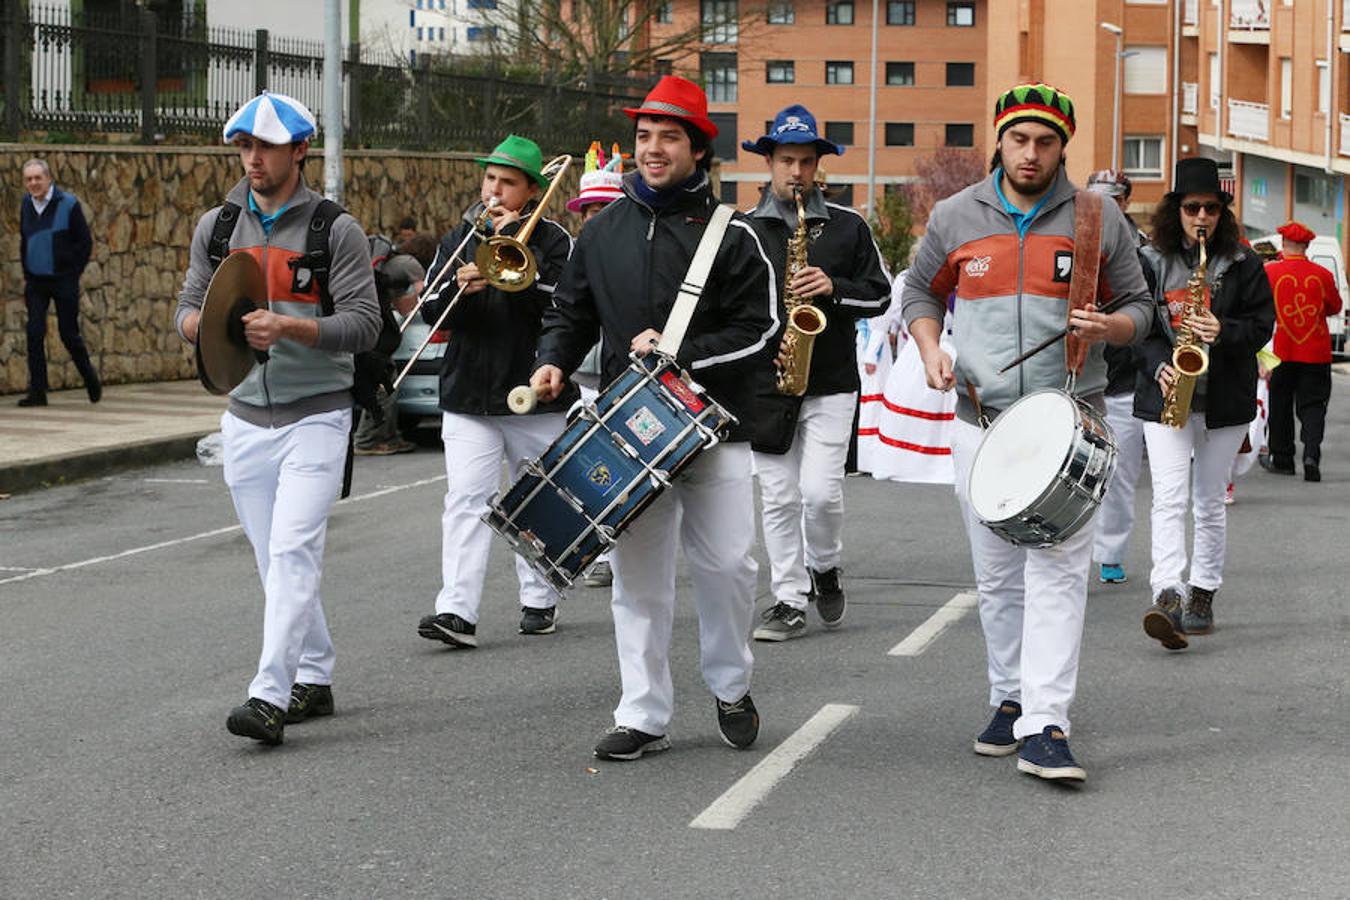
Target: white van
1326 252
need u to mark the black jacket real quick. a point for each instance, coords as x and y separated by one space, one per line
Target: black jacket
1242 302
624 275
56 244
840 242
493 334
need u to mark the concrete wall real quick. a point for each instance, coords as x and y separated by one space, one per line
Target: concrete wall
142 205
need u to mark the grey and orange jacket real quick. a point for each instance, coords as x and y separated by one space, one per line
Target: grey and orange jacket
296 381
1013 292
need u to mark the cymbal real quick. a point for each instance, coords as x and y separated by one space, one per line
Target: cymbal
224 357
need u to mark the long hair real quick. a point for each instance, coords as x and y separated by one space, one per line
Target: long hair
1169 237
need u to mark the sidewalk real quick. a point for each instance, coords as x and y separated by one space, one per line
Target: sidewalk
71 439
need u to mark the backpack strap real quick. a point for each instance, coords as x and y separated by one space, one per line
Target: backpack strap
318 256
218 246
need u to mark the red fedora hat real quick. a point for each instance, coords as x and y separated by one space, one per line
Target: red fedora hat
677 98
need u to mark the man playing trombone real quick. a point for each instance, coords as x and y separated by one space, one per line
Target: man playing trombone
493 332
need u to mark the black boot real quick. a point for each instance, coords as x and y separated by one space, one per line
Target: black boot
94 387
34 398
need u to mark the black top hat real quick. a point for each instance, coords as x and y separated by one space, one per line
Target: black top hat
1199 175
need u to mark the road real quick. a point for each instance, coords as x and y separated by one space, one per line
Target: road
131 625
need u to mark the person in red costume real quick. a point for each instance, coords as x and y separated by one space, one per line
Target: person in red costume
1305 294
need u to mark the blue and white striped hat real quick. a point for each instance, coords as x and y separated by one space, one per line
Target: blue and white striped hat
274 118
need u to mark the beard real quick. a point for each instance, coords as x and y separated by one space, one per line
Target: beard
1036 184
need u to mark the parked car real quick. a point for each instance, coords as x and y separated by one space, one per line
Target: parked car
419 394
1326 252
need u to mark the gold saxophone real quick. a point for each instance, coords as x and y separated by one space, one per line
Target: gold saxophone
804 321
1190 358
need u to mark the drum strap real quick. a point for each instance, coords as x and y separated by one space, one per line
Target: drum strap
677 323
1087 260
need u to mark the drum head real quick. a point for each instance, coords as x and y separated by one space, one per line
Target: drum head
1021 455
224 358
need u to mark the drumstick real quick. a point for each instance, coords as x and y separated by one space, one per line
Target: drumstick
1055 338
523 399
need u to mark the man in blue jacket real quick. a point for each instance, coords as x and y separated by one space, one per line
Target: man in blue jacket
54 245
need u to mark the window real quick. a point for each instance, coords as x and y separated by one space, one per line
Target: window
1286 88
727 193
1214 81
961 135
481 32
719 77
900 74
419 34
839 132
482 4
961 15
665 14
1323 87
780 71
419 4
899 134
782 12
725 144
442 4
1313 190
412 19
899 12
1145 70
838 72
1142 156
719 21
839 12
839 193
960 74
440 34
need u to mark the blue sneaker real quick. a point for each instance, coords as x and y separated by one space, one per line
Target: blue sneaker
1046 755
1112 573
997 739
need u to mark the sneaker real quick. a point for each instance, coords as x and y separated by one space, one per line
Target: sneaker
34 398
259 720
1281 466
738 722
402 446
309 701
1163 621
1046 755
1112 573
538 621
1199 615
375 450
829 596
1311 471
448 628
781 623
94 387
600 575
1228 495
624 743
997 739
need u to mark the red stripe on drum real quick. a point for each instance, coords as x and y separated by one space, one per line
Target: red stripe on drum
919 413
904 445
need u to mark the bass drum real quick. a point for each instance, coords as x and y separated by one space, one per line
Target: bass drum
1042 469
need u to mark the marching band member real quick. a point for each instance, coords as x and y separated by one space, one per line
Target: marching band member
801 442
621 283
493 336
1305 294
1006 246
287 426
1192 460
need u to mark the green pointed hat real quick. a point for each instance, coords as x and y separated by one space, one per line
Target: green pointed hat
519 153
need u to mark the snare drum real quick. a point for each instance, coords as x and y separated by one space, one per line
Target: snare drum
1042 469
611 462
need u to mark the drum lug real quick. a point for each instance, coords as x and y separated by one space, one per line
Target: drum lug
570 499
660 478
628 449
532 467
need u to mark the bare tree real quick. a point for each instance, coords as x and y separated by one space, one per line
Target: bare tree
941 174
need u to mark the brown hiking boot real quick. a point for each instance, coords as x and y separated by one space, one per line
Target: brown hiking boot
1163 621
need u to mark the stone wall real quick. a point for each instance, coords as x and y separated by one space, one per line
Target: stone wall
142 204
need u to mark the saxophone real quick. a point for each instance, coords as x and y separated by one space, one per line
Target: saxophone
804 321
1190 359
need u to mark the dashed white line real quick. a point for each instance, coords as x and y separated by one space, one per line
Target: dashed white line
215 532
952 611
727 811
176 481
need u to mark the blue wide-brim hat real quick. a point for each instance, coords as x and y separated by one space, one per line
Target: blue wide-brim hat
274 118
794 125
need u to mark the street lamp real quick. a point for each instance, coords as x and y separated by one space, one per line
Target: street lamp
1115 115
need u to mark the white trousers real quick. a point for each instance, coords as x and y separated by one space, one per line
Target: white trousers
803 496
710 508
1032 605
1197 458
283 482
474 448
1115 520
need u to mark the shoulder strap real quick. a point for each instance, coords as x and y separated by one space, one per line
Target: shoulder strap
1087 260
218 246
672 335
318 256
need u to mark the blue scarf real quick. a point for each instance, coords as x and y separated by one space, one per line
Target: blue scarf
661 199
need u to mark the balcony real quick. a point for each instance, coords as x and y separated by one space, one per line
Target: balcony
1249 120
1190 18
1249 22
1190 102
1345 135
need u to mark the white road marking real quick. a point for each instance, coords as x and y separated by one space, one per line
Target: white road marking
727 811
952 611
215 532
176 481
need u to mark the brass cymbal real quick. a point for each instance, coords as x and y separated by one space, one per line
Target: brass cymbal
224 357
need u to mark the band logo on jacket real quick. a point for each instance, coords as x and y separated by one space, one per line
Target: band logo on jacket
286 279
1301 316
996 267
1176 304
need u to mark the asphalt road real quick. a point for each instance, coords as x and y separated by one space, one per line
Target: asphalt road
132 622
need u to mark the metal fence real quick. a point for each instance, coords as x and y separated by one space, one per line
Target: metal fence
73 76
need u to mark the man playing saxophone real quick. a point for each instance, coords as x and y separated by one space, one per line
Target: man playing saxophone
832 274
1214 312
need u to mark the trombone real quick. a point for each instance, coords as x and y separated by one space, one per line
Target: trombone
506 263
481 225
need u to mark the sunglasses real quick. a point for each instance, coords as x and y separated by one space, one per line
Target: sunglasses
1193 208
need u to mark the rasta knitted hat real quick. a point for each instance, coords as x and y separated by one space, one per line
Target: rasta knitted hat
1035 103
